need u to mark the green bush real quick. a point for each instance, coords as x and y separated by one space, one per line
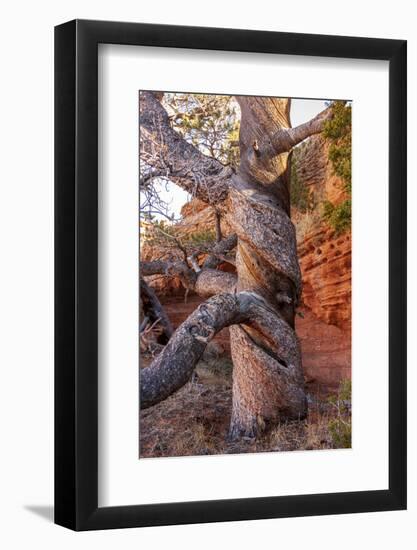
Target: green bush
340 125
345 390
200 237
340 427
169 237
341 433
338 130
341 157
339 216
300 195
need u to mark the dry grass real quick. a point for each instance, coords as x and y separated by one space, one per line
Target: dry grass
195 421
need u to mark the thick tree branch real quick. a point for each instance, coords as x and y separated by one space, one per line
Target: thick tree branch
164 149
178 269
212 281
154 267
175 364
204 282
287 138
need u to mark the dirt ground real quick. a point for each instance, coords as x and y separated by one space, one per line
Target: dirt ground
195 420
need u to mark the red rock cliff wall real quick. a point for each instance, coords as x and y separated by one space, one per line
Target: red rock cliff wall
325 261
325 257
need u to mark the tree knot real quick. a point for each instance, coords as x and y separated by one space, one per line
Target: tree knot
202 332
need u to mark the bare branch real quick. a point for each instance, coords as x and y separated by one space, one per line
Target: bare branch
217 218
176 240
147 177
212 281
165 150
193 261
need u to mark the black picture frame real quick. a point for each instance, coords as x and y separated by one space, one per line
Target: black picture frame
76 272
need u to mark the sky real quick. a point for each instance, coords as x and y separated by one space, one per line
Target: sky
302 110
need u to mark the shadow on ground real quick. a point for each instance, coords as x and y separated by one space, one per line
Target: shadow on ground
45 512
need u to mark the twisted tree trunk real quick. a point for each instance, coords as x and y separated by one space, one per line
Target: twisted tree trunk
266 388
268 382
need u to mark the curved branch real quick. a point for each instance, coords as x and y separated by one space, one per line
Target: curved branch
205 282
165 150
175 364
147 178
178 269
211 281
154 267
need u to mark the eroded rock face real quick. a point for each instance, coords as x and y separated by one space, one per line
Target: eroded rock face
193 207
315 170
197 216
325 261
324 256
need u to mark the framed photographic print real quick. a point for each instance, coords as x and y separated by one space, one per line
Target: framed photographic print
230 275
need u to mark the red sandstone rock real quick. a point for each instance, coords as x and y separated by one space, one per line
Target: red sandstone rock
325 261
325 258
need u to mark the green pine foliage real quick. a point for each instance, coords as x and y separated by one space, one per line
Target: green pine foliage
203 237
169 236
300 195
339 131
339 216
209 122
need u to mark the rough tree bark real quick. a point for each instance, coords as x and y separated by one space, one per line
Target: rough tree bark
268 383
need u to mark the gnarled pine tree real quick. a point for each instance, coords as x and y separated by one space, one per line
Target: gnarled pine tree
259 302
